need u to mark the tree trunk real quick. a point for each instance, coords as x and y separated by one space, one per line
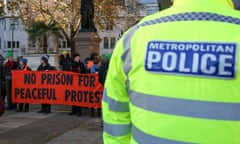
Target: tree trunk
45 45
72 46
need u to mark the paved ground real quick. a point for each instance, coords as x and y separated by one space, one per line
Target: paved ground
54 128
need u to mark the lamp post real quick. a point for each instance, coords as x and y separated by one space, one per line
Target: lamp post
12 25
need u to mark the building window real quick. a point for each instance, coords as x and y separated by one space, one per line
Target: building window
17 43
109 26
62 44
105 42
112 42
9 44
13 44
14 24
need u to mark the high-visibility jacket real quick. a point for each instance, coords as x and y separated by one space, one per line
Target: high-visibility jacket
174 78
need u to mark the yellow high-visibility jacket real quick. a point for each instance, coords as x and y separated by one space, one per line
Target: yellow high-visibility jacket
174 78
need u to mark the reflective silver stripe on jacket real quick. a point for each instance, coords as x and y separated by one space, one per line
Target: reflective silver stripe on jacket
187 16
115 105
117 129
142 138
190 108
184 107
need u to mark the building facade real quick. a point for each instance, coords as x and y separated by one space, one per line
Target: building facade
13 36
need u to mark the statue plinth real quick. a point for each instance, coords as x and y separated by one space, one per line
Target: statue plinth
87 42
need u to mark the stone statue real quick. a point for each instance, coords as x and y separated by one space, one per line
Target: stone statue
87 12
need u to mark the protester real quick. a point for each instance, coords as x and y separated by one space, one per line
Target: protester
9 66
89 61
102 74
104 68
23 66
45 66
96 64
78 67
94 70
174 78
2 78
65 61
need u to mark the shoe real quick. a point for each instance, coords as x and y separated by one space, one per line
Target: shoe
18 110
47 112
41 111
25 110
9 108
71 113
79 114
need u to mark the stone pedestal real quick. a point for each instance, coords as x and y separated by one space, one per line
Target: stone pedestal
87 43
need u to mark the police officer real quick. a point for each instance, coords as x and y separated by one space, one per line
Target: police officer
174 78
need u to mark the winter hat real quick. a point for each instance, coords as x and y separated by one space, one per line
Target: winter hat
9 54
24 61
108 56
45 58
64 52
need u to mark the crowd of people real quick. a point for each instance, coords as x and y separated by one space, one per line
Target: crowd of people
93 64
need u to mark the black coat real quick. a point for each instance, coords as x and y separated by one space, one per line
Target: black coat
65 63
47 67
78 67
103 72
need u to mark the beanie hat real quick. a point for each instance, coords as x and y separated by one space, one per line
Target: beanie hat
9 54
45 58
24 61
108 56
64 52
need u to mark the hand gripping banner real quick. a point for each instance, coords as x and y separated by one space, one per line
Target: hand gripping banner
56 87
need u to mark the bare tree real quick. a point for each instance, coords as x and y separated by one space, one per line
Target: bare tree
65 13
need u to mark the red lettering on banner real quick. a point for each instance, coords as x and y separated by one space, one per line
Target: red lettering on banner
56 87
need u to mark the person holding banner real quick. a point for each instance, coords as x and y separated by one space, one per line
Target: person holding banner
23 66
8 67
45 66
78 67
